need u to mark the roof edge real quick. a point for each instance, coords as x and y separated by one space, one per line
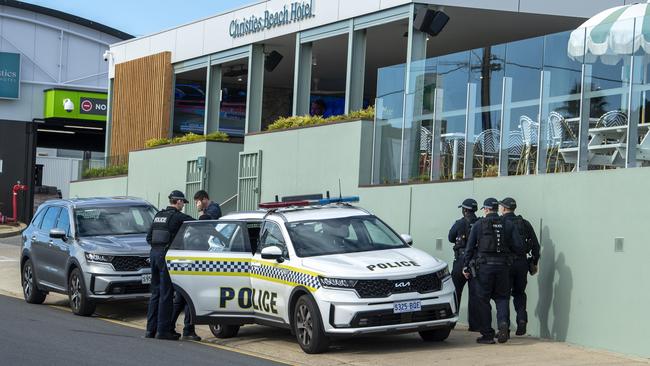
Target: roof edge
68 17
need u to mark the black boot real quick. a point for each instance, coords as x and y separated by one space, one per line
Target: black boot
504 333
191 337
485 340
521 328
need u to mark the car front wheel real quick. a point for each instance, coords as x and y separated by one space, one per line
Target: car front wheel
435 335
308 327
224 331
78 296
31 292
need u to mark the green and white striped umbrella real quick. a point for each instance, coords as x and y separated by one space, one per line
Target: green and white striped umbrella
612 33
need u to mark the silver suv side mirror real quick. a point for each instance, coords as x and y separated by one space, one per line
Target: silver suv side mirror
407 238
58 234
272 252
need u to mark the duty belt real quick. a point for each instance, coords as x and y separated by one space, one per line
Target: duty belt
495 261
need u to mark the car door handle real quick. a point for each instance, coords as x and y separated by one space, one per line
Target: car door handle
181 261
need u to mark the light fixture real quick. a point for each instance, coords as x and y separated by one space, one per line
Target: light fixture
56 131
314 61
85 127
68 105
108 55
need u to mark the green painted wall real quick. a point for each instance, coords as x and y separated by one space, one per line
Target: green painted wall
311 160
585 293
102 187
153 173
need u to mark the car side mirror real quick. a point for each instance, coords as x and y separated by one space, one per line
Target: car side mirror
58 234
407 238
273 253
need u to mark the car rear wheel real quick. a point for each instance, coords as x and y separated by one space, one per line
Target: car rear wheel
308 327
79 301
224 331
435 335
30 290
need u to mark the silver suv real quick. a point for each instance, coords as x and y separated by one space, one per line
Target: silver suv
93 250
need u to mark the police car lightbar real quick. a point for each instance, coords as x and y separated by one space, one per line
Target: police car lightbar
320 202
270 205
327 201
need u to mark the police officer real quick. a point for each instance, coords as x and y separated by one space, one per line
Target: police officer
458 235
491 243
521 264
160 236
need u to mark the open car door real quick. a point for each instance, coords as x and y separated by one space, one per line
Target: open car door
209 263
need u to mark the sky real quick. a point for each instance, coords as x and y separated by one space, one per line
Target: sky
142 17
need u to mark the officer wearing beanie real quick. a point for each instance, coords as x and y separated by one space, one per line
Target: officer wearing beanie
491 244
458 235
522 263
160 236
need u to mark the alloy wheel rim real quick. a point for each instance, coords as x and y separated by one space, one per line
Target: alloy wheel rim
304 324
27 280
75 286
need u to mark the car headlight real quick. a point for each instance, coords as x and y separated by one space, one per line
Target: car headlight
443 273
101 258
336 282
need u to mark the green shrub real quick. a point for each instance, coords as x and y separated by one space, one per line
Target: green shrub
157 142
190 137
283 123
217 136
109 171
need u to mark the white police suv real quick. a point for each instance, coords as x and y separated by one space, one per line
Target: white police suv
319 268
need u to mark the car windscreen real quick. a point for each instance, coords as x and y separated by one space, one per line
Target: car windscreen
342 235
113 220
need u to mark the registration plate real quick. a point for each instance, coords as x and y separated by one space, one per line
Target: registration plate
146 279
407 306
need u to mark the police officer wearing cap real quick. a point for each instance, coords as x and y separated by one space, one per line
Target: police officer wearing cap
521 264
458 235
160 236
491 243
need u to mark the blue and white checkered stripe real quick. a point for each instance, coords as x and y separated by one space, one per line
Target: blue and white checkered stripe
286 275
210 266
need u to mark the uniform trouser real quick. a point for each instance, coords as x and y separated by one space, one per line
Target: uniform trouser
519 279
459 282
180 305
493 282
159 314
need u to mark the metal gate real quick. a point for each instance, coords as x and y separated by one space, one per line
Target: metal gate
196 178
248 184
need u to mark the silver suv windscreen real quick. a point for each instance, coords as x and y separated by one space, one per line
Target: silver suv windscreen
113 220
342 235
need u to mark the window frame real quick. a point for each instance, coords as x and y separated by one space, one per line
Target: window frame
263 230
241 224
56 218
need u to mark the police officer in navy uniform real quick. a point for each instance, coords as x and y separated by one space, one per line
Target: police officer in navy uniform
521 264
491 245
458 235
160 236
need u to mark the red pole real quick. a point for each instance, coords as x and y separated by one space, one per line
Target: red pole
17 188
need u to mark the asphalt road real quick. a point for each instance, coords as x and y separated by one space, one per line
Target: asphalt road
41 334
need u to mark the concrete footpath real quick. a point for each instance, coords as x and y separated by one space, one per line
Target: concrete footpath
408 349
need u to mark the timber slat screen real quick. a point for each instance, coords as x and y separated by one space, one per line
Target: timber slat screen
141 104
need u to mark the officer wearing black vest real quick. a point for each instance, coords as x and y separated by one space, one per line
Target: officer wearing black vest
491 245
458 235
521 264
160 236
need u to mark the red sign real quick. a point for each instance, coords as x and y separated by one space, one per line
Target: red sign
86 105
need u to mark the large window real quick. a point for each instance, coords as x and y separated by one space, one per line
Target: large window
278 79
189 102
328 76
234 91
